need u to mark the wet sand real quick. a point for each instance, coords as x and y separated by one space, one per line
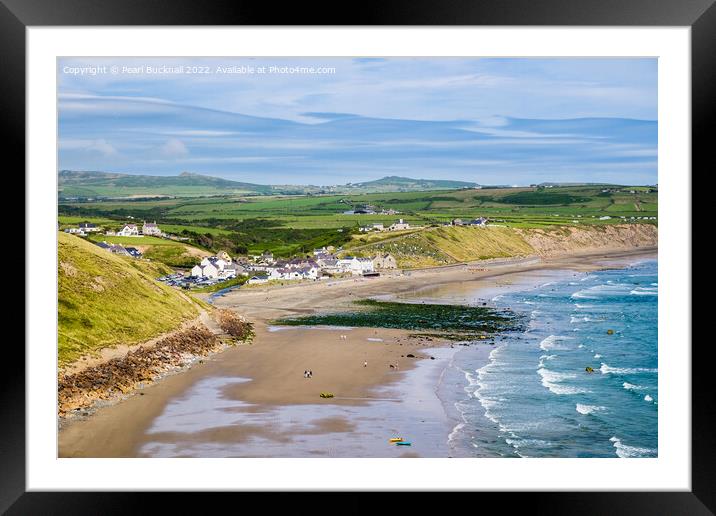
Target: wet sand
254 401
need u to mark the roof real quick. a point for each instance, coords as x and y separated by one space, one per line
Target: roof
103 245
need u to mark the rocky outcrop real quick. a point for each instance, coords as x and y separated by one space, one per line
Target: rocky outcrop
570 239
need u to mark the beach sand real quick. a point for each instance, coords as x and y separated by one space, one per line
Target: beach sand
254 400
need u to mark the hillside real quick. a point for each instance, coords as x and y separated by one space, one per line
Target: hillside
105 300
454 244
104 184
402 184
108 185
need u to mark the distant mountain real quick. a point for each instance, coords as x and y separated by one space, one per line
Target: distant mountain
112 185
398 183
108 185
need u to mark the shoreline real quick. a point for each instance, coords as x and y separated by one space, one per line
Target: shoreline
276 384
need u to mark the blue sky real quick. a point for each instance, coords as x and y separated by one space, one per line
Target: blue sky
488 120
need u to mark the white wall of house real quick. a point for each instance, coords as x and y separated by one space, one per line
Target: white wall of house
196 271
128 231
210 271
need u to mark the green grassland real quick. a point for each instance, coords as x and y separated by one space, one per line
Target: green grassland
293 224
168 252
105 300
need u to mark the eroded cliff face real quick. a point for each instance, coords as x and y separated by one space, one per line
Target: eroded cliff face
569 239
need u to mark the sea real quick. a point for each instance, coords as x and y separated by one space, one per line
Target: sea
535 397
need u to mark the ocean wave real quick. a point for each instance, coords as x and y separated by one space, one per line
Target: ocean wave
589 409
606 369
631 387
552 381
599 291
648 398
552 342
644 291
597 355
542 358
626 452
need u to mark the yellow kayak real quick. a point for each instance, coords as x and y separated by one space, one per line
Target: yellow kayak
395 440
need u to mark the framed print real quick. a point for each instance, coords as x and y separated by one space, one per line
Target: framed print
292 257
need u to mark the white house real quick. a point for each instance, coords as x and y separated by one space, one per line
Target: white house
210 271
398 226
196 271
355 266
88 227
128 230
257 279
217 262
151 228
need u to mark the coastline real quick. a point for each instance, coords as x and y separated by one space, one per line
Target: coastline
274 363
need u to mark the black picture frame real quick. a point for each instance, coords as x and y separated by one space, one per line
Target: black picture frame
700 15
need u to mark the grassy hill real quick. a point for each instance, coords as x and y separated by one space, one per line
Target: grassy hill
105 300
103 184
447 245
402 184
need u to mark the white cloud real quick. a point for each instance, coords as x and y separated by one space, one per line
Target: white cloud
174 148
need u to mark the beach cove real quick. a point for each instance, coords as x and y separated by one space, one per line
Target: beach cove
253 401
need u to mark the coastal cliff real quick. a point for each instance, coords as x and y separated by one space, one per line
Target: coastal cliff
570 239
448 245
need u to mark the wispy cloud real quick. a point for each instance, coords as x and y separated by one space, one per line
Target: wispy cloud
486 120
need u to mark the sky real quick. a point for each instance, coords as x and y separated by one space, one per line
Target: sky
326 121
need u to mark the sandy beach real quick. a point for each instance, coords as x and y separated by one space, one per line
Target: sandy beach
253 400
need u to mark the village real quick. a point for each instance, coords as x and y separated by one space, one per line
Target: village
257 269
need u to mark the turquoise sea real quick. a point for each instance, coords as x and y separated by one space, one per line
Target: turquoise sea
534 396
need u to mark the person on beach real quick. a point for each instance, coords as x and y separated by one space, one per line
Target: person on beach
365 363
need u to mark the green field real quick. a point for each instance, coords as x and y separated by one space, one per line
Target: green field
106 300
289 225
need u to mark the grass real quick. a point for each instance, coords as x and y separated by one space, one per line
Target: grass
294 224
106 300
233 282
448 244
452 321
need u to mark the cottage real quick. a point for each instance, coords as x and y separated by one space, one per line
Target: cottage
88 227
118 249
151 228
457 222
196 271
210 271
216 262
223 255
399 226
129 230
356 266
480 221
257 279
133 252
232 270
384 261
